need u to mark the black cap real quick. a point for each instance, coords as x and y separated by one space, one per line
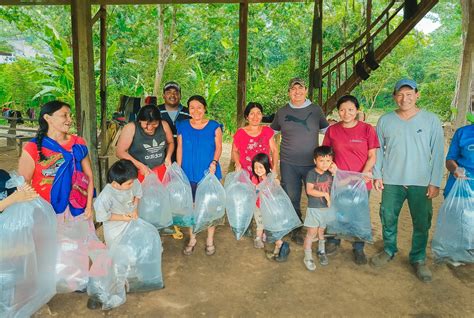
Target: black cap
172 85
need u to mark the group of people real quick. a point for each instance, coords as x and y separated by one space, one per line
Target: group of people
403 158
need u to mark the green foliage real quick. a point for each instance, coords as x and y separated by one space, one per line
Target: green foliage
205 54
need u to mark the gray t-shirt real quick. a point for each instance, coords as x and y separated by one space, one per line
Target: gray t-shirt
299 133
322 182
111 200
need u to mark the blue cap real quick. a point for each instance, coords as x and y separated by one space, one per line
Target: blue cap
405 82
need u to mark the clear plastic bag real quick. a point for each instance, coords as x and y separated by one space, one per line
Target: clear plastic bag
27 257
210 203
154 206
72 265
179 189
278 215
137 256
350 200
454 235
240 201
107 281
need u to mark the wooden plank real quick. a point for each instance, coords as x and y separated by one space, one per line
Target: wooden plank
134 2
84 81
242 73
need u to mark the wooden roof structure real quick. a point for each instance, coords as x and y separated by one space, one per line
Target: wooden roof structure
84 81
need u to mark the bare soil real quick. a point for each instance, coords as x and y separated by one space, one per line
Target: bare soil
238 281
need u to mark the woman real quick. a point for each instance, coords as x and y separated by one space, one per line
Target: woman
253 139
52 159
199 150
460 158
355 144
148 143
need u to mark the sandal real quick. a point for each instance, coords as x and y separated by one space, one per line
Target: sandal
273 255
210 250
189 249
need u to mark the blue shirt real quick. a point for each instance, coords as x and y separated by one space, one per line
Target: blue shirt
411 151
198 149
461 150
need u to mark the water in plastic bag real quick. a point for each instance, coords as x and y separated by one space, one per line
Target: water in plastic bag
210 203
27 257
107 281
350 200
154 206
278 215
240 201
138 251
454 234
179 190
72 265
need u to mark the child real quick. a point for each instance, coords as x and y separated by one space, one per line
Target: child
318 186
117 204
260 170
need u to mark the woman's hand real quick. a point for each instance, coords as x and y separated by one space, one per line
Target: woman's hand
460 173
238 166
88 212
23 194
167 162
212 167
144 170
367 176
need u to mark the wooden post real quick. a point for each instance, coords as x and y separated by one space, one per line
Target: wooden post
316 44
368 20
84 82
242 75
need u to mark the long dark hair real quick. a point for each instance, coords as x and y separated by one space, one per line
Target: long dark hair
47 109
262 159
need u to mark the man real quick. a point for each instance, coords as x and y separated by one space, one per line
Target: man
409 167
299 122
172 110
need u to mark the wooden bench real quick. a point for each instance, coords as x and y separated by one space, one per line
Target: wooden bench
17 139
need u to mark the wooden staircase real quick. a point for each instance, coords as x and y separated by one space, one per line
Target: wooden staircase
348 67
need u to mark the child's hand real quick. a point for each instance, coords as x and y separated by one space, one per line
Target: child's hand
333 168
134 214
277 181
328 199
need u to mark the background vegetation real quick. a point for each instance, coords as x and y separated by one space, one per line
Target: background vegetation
204 54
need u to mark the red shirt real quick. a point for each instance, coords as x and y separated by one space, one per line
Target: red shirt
45 171
249 146
351 145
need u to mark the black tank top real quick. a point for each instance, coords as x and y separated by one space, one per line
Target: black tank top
149 149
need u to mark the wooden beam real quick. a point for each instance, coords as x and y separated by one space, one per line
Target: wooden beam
134 2
84 81
316 45
242 73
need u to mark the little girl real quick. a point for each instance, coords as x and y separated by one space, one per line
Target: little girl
260 170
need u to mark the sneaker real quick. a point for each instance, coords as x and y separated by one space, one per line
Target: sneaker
323 259
309 263
297 236
93 303
331 248
258 243
284 252
381 259
359 257
423 272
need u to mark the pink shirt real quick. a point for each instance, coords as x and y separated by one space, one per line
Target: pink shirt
351 145
249 146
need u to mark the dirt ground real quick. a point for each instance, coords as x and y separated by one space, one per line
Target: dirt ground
238 281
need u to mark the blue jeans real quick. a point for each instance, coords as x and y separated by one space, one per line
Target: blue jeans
293 178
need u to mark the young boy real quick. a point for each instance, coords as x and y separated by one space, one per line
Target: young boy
318 187
117 204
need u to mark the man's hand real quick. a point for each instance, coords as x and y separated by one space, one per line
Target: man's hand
432 192
378 184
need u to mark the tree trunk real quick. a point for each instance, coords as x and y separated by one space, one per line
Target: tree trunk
464 96
164 45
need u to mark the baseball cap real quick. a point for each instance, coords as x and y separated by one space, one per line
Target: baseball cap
295 81
172 85
405 82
